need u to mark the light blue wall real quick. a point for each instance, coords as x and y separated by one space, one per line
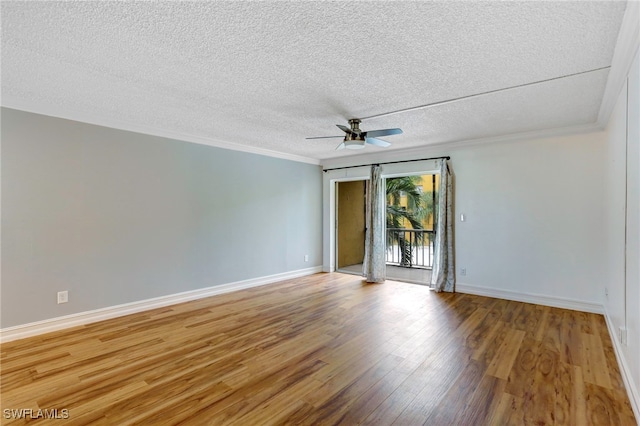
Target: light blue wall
116 217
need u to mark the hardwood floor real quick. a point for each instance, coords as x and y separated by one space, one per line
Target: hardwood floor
324 349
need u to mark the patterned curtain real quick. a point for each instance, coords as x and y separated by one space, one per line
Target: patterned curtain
374 267
443 276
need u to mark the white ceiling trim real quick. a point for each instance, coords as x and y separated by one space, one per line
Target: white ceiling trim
626 46
152 131
447 148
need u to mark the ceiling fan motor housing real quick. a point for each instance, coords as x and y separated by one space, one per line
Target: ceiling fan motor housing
355 125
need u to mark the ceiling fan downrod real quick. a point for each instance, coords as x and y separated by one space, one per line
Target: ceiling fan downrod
355 125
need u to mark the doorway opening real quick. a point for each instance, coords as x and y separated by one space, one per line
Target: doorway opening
350 225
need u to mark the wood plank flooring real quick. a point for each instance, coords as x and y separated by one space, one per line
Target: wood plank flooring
322 350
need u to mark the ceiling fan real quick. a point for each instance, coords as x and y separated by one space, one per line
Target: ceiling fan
355 138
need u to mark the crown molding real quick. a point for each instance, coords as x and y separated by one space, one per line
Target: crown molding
447 148
626 48
151 130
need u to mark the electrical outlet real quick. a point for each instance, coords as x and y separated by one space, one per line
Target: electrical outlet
306 257
63 296
463 271
623 335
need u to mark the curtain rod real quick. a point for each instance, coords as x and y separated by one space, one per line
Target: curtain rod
388 162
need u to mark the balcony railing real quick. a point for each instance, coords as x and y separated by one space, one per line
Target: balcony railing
410 248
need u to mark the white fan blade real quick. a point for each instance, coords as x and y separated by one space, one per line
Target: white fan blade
378 142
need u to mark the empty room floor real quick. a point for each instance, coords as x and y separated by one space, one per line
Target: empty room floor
325 349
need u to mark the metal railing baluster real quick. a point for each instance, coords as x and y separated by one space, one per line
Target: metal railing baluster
411 248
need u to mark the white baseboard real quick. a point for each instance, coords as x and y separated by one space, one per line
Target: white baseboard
82 318
538 299
625 371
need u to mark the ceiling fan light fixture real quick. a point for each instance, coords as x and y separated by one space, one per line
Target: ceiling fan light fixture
354 144
353 141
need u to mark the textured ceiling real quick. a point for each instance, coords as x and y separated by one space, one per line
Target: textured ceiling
268 74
